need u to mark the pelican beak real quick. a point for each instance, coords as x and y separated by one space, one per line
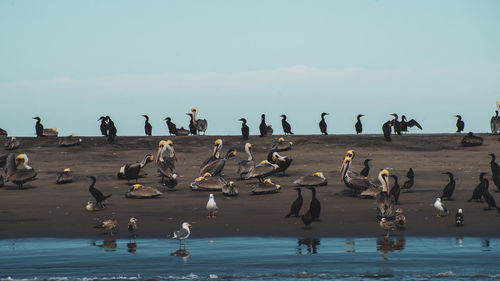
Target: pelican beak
158 154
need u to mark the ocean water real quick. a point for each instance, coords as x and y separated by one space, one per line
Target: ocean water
251 258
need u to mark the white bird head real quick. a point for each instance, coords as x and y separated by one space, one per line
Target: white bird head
186 225
460 211
211 196
132 220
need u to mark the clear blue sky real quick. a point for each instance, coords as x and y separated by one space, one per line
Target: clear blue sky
70 62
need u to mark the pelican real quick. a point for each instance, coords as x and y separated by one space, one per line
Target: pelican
215 167
460 123
286 126
70 140
211 206
131 171
97 194
3 132
11 144
109 225
471 140
182 234
192 127
172 128
245 131
282 145
495 123
359 126
374 190
207 182
201 124
322 124
104 126
166 163
316 179
283 162
352 180
52 132
215 154
147 126
138 191
38 127
18 170
64 177
230 190
266 187
262 170
245 165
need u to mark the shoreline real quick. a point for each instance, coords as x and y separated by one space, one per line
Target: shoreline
45 209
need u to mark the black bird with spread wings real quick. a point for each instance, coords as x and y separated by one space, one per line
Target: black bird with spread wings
96 193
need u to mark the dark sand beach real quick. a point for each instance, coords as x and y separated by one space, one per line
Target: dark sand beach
44 209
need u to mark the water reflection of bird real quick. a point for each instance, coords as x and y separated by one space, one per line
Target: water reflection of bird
109 245
132 247
386 245
310 243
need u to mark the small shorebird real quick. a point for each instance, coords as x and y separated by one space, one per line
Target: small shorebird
387 225
132 226
459 218
110 225
211 206
182 234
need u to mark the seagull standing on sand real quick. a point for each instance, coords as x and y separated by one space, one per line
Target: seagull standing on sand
182 234
110 225
440 207
211 206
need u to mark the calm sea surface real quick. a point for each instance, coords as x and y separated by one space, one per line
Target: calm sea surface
251 258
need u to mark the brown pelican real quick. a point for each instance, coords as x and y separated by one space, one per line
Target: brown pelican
405 124
286 126
166 165
283 162
282 145
322 124
440 207
352 180
245 131
138 191
471 140
99 197
495 123
207 182
265 187
109 225
230 190
192 127
359 126
296 205
396 124
215 167
3 132
182 132
104 126
64 177
11 144
215 153
70 140
52 132
18 170
38 127
182 234
316 179
211 206
460 123
407 185
262 170
375 189
245 165
172 128
449 188
147 126
131 171
201 124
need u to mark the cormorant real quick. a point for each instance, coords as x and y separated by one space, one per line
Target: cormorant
489 199
407 185
405 124
366 169
97 194
245 131
38 127
495 172
396 124
359 126
296 205
286 126
147 126
395 190
449 188
315 206
386 128
460 124
192 126
322 124
111 130
104 126
263 126
172 128
480 188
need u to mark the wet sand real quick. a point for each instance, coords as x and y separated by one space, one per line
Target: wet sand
44 209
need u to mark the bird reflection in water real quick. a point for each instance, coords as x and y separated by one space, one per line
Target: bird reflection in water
109 245
349 246
485 244
180 253
386 245
132 247
310 243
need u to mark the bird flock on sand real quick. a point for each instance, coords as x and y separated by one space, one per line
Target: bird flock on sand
16 169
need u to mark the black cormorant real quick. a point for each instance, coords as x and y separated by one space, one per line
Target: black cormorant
148 129
480 188
245 131
366 169
286 126
322 124
396 124
263 126
97 194
359 126
172 128
104 126
386 128
395 190
489 199
405 124
38 127
495 171
111 130
460 124
449 188
296 205
315 206
192 126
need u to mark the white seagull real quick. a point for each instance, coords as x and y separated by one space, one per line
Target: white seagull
182 234
440 207
211 206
